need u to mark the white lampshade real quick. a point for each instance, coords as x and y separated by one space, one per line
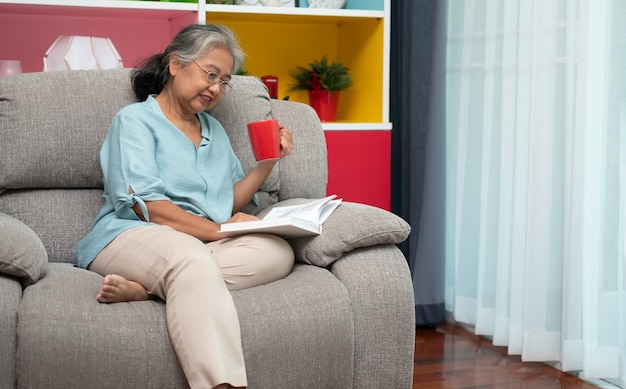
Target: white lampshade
10 67
81 52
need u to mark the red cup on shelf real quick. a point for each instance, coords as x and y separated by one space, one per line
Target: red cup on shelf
265 139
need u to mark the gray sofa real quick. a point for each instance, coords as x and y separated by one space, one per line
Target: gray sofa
344 318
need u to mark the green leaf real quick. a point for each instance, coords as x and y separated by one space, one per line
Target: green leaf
321 75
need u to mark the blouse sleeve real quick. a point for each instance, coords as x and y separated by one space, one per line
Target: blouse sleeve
238 174
129 164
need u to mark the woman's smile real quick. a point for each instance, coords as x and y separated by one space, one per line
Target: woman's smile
206 99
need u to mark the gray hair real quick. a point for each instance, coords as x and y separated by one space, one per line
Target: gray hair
194 41
191 43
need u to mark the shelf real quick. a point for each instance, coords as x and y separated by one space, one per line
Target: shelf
82 7
281 14
339 126
278 39
100 8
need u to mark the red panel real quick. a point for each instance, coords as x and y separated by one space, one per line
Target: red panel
359 166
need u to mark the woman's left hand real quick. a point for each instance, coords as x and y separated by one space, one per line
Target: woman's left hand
286 142
250 184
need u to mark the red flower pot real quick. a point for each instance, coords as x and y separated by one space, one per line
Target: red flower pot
324 102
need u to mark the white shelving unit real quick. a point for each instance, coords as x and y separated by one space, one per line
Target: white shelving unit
141 28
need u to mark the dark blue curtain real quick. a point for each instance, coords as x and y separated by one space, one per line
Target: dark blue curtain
417 111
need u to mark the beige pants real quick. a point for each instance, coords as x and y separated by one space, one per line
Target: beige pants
194 278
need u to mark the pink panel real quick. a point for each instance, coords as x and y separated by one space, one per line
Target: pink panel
28 37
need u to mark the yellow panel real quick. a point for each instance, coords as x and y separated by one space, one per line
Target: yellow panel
361 46
275 46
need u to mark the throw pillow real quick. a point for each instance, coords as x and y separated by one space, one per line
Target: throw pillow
22 254
350 226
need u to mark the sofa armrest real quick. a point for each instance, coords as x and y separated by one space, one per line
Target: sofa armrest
350 226
10 297
22 254
304 172
378 281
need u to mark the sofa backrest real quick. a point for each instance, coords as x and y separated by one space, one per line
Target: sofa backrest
52 126
304 172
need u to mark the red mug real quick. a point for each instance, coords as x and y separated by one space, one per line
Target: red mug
265 139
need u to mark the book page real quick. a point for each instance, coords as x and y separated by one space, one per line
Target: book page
328 209
308 211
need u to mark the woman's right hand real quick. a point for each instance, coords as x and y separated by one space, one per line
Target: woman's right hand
241 217
236 218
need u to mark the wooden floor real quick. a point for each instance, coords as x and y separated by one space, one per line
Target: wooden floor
451 357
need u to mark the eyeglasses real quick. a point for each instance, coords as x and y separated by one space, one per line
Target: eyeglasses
214 78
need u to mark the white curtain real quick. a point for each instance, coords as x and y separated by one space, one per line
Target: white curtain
536 179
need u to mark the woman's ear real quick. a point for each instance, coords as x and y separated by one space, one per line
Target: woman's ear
175 65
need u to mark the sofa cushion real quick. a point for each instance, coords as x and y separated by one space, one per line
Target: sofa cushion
22 253
300 326
58 130
60 217
63 330
350 226
246 102
52 125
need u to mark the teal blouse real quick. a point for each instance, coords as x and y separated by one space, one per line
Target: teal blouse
146 152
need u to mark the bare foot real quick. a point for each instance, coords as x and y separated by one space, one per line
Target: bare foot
117 289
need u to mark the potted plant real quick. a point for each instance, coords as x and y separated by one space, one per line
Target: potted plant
323 81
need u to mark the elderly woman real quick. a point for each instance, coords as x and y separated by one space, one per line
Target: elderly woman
170 179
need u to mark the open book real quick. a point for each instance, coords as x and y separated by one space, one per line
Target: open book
289 221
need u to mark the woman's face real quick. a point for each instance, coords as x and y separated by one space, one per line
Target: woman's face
191 84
